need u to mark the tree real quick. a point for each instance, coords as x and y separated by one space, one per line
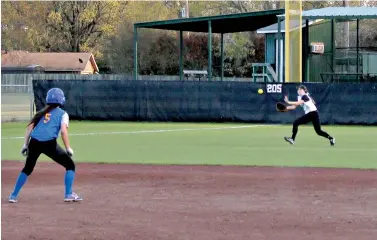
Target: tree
158 53
118 48
162 57
81 24
59 26
22 24
196 53
144 11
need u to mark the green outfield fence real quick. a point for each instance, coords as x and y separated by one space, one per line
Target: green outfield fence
187 101
17 103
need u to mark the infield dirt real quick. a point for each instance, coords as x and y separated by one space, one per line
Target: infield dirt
191 202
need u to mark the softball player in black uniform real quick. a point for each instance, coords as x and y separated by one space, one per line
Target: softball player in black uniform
311 115
40 137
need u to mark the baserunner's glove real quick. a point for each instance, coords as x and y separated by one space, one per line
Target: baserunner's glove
24 150
70 152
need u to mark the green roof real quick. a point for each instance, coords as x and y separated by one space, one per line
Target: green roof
241 22
295 24
340 13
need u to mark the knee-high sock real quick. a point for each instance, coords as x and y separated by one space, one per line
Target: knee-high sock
68 181
21 180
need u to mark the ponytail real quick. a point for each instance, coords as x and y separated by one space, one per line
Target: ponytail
311 98
37 117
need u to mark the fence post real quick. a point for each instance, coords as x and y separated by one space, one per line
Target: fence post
31 96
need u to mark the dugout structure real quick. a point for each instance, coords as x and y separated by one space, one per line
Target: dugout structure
346 62
338 63
221 24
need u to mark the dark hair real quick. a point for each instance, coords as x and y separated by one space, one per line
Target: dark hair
37 117
306 91
303 88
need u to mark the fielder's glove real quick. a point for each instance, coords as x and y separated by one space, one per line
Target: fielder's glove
280 107
70 152
24 150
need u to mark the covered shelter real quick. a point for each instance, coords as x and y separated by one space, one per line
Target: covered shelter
221 24
333 14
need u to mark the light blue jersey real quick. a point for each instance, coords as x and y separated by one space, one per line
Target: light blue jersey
49 126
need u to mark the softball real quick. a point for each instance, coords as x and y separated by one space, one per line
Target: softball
260 91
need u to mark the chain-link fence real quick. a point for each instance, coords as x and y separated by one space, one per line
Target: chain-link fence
17 103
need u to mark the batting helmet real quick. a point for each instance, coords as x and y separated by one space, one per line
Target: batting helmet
55 96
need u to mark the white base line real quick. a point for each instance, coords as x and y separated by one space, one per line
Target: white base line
155 131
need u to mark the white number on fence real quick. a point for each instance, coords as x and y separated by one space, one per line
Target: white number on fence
274 88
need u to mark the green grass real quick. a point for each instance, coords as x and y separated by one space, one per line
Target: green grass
257 145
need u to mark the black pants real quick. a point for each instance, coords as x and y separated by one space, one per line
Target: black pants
309 117
52 150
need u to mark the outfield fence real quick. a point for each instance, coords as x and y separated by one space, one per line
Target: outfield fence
187 101
17 101
116 98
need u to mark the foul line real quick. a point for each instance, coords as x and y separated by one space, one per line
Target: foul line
153 131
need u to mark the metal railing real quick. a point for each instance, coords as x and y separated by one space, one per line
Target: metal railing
263 72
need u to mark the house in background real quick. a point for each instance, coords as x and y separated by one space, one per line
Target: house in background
49 62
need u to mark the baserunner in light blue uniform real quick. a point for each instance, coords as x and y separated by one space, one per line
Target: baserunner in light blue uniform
41 137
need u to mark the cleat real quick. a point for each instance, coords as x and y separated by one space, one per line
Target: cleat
290 140
72 198
12 199
332 141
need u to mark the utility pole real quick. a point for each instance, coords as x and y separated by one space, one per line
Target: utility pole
346 28
187 9
187 14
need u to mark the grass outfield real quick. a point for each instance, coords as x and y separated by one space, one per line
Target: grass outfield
217 144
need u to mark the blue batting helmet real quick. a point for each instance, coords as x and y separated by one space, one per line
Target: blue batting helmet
55 96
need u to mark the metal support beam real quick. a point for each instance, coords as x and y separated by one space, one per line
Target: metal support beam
31 97
180 55
209 50
333 47
306 52
278 49
357 49
222 56
135 53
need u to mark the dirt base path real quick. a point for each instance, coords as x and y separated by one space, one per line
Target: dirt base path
191 202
